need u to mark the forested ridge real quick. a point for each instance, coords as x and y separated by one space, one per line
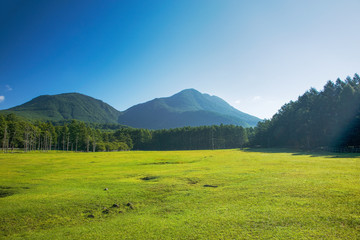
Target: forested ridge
66 106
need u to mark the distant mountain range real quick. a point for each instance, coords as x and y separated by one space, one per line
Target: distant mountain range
186 108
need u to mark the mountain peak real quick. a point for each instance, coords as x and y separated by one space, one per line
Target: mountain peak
188 107
189 90
67 106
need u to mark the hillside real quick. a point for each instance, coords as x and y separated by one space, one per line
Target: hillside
186 108
66 106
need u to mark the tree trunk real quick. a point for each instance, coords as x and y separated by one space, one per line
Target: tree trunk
87 143
63 142
5 139
94 144
50 142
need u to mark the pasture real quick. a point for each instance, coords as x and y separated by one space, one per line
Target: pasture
218 194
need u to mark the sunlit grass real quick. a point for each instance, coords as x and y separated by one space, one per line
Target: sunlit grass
249 195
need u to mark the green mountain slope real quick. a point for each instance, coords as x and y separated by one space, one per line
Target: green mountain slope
186 108
66 106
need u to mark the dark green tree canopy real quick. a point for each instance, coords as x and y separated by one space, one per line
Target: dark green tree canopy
329 118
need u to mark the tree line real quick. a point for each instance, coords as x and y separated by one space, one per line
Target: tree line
17 133
196 138
317 119
75 135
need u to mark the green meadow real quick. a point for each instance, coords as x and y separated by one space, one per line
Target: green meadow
219 194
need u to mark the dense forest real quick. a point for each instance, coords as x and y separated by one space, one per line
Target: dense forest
74 135
326 119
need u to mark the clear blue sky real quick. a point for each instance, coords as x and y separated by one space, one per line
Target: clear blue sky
257 55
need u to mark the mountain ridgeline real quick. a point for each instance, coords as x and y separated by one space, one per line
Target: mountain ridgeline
65 107
186 108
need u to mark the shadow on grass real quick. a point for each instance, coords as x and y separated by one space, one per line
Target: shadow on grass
297 152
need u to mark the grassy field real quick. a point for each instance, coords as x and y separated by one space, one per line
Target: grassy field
222 194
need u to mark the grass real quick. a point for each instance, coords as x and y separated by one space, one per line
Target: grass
222 194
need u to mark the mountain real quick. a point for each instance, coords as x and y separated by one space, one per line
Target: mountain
186 108
66 106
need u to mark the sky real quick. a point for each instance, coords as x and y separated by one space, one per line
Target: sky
256 55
